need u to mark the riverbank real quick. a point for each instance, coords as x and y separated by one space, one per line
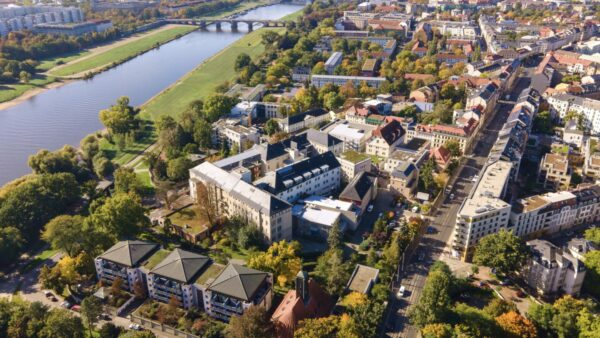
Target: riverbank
203 80
104 60
13 94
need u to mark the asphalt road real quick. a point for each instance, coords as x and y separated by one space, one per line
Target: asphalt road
432 246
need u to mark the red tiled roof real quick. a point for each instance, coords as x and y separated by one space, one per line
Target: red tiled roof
441 155
293 309
386 24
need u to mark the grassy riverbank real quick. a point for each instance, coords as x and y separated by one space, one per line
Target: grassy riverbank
244 6
203 80
123 53
12 91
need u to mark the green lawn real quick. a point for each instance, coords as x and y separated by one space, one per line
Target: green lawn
235 9
293 16
192 217
9 92
123 52
50 63
203 80
354 156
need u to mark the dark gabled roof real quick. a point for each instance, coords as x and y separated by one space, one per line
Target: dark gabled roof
129 253
272 151
391 132
238 281
322 138
181 265
300 117
358 187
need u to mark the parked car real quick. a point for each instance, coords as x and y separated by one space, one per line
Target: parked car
76 308
451 196
505 282
54 299
66 305
48 294
370 208
401 291
431 230
521 294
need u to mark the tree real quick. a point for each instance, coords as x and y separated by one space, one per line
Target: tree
255 322
474 322
426 178
334 238
332 271
241 61
121 215
178 169
502 251
269 37
271 127
203 134
593 235
542 123
218 105
103 167
435 299
498 307
126 181
62 324
109 330
24 76
91 309
541 315
591 283
11 244
35 201
206 201
281 259
139 290
453 147
46 162
437 330
567 310
332 100
120 118
326 327
116 287
365 317
517 326
66 233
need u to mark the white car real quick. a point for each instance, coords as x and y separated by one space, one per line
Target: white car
400 293
370 208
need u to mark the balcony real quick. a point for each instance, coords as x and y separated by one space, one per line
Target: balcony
167 294
114 273
168 289
226 309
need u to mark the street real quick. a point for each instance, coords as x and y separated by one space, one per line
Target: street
433 246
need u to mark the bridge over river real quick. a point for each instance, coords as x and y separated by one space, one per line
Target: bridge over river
203 23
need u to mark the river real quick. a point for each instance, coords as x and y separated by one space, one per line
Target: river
66 114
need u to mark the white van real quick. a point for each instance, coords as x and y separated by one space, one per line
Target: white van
401 291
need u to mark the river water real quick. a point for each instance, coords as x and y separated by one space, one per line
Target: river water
66 114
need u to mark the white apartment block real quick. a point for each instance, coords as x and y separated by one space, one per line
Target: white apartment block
319 175
561 104
27 17
555 212
552 269
234 195
483 212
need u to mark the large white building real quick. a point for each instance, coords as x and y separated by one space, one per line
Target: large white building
589 109
484 212
15 18
552 269
233 195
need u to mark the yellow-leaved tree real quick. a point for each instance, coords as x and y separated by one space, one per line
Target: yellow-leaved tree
281 259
